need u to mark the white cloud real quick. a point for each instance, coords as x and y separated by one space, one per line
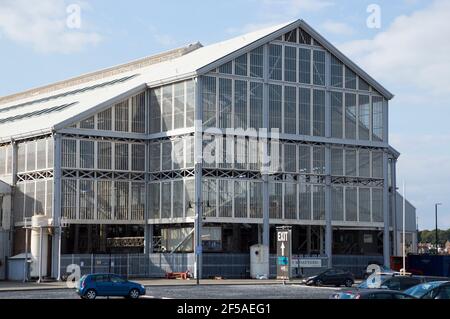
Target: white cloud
339 28
43 27
414 50
161 38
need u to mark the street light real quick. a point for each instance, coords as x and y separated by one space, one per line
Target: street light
437 239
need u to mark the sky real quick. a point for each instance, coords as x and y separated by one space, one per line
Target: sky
404 44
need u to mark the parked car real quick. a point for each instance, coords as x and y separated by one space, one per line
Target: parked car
382 270
430 290
392 282
371 294
333 277
106 285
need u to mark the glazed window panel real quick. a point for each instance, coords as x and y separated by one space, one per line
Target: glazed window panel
256 105
178 105
240 104
225 103
121 117
166 164
190 103
121 157
87 204
240 65
290 110
88 123
166 199
319 113
209 101
69 154
122 197
377 164
319 67
337 161
104 155
68 198
275 200
351 204
337 128
318 160
304 201
257 63
305 66
138 157
377 205
190 197
364 117
22 151
41 154
86 154
50 153
154 200
138 113
275 62
31 156
255 200
350 116
291 36
350 79
363 86
364 204
155 110
318 202
304 111
137 201
304 37
254 154
155 156
290 201
104 199
364 163
225 150
39 206
49 195
178 190
225 198
190 152
226 68
240 153
240 199
337 74
104 120
178 153
337 202
377 118
167 108
209 198
350 162
290 158
210 151
290 64
275 102
304 159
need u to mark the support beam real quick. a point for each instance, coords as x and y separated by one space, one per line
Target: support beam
394 204
56 238
386 241
328 207
198 159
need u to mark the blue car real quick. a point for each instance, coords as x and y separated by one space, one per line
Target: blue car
106 285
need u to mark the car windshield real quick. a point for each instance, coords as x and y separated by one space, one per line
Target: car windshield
373 282
420 290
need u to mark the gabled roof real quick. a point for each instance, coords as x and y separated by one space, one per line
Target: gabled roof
90 93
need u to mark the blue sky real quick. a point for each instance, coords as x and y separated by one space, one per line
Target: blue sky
409 54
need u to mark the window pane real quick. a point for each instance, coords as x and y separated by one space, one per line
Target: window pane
155 110
377 205
350 116
178 189
87 206
319 113
304 159
350 79
154 200
225 103
304 38
256 105
304 201
121 191
190 197
337 161
290 158
104 120
318 160
138 157
255 200
225 198
364 117
275 200
305 66
190 103
290 110
209 198
121 156
178 105
350 162
104 155
256 62
336 115
87 123
275 107
86 154
290 64
364 204
319 67
377 118
304 111
240 65
351 213
337 200
240 199
155 156
167 108
318 202
166 199
290 201
121 116
336 72
209 101
275 62
240 104
69 153
377 164
104 200
364 163
226 68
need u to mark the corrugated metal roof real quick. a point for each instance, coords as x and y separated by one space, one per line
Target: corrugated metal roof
97 93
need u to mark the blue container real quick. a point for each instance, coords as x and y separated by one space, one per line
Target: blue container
430 265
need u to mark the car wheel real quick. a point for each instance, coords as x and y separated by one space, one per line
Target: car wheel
134 294
319 282
90 294
348 283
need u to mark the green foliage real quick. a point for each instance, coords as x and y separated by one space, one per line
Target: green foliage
428 236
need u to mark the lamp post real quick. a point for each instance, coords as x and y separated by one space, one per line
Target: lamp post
436 234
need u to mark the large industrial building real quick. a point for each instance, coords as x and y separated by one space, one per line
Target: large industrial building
275 127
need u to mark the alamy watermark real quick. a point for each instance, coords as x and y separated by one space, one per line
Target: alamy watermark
374 19
73 20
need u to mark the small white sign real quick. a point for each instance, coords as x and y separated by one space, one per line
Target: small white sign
310 263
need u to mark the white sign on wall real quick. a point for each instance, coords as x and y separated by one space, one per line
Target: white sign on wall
310 263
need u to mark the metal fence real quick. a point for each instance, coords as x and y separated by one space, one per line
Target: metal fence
213 264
